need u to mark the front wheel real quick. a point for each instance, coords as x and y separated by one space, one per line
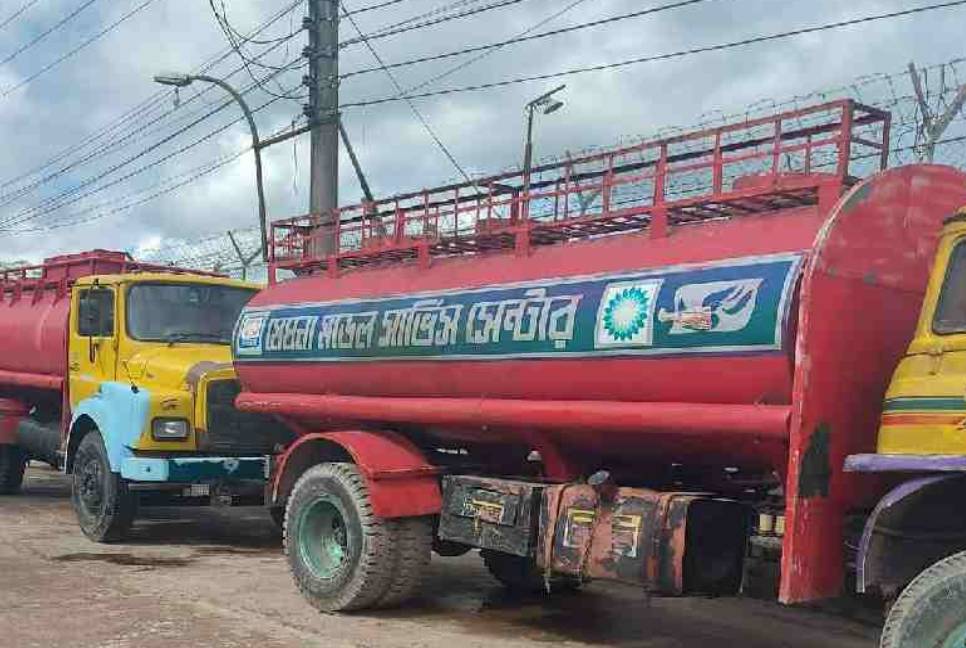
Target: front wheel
104 506
13 462
341 555
931 611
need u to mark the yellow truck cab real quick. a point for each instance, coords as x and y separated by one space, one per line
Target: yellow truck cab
912 551
151 393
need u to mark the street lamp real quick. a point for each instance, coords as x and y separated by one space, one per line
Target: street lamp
184 80
547 105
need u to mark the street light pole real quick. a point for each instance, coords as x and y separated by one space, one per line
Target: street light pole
183 80
548 106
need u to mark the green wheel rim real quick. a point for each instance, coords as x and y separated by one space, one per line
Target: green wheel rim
957 638
323 539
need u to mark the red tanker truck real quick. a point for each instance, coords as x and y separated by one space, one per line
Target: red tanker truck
119 372
647 365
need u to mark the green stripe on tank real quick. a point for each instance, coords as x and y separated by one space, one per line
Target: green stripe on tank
924 403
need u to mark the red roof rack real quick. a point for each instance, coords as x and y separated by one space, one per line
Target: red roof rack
61 271
757 165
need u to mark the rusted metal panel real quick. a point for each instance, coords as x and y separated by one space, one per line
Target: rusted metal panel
642 537
495 514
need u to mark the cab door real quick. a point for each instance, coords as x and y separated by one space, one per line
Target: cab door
92 350
925 408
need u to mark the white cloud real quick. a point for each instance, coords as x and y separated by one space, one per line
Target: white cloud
484 130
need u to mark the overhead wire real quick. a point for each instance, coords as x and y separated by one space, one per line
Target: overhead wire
16 14
47 32
72 52
416 112
135 114
393 30
62 199
525 38
381 5
661 57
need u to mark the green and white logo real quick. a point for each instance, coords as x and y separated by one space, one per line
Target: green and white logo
626 314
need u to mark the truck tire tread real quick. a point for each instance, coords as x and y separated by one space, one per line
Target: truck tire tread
12 466
944 581
370 578
413 549
114 523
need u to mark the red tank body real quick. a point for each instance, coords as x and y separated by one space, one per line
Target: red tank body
34 314
34 311
771 307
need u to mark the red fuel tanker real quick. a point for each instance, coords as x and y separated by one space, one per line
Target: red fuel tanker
549 368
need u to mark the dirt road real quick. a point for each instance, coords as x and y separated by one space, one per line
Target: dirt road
206 577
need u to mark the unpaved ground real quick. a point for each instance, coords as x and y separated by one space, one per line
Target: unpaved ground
206 577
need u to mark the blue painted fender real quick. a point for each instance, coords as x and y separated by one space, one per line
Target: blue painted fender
120 414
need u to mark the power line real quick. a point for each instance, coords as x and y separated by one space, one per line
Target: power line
138 112
114 25
662 57
58 201
381 5
393 31
47 32
524 39
422 119
9 19
228 31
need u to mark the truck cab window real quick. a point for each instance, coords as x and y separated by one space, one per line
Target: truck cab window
170 312
95 314
951 312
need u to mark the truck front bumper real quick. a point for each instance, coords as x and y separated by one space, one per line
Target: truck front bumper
195 470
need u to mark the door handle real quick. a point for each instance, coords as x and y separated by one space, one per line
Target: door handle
74 365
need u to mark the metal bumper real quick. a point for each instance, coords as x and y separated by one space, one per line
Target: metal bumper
195 470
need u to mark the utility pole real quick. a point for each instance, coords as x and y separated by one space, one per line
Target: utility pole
322 110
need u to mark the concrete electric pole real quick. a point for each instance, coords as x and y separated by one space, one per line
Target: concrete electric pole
323 113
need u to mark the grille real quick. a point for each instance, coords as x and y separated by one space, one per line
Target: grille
235 432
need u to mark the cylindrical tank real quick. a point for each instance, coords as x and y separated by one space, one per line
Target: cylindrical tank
34 312
700 332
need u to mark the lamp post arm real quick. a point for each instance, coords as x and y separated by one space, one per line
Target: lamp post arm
256 147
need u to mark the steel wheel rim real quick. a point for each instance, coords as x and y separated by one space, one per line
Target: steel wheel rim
323 539
956 638
91 487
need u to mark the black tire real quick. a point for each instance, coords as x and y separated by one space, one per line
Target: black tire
13 462
104 506
522 576
341 555
277 513
931 611
412 544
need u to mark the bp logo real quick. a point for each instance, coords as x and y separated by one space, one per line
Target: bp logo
626 314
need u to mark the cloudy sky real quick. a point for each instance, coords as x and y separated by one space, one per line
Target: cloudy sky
70 169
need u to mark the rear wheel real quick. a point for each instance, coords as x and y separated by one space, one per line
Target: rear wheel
13 461
521 575
931 611
412 544
104 506
341 555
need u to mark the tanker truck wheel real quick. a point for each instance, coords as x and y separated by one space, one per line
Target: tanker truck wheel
522 575
341 555
12 464
104 506
931 612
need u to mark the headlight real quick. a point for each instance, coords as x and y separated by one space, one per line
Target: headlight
169 429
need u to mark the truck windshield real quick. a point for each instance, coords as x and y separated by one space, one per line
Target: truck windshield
184 312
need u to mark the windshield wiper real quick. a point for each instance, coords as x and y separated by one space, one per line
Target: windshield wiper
195 335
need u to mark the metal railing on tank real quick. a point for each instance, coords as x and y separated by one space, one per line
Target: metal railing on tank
758 165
